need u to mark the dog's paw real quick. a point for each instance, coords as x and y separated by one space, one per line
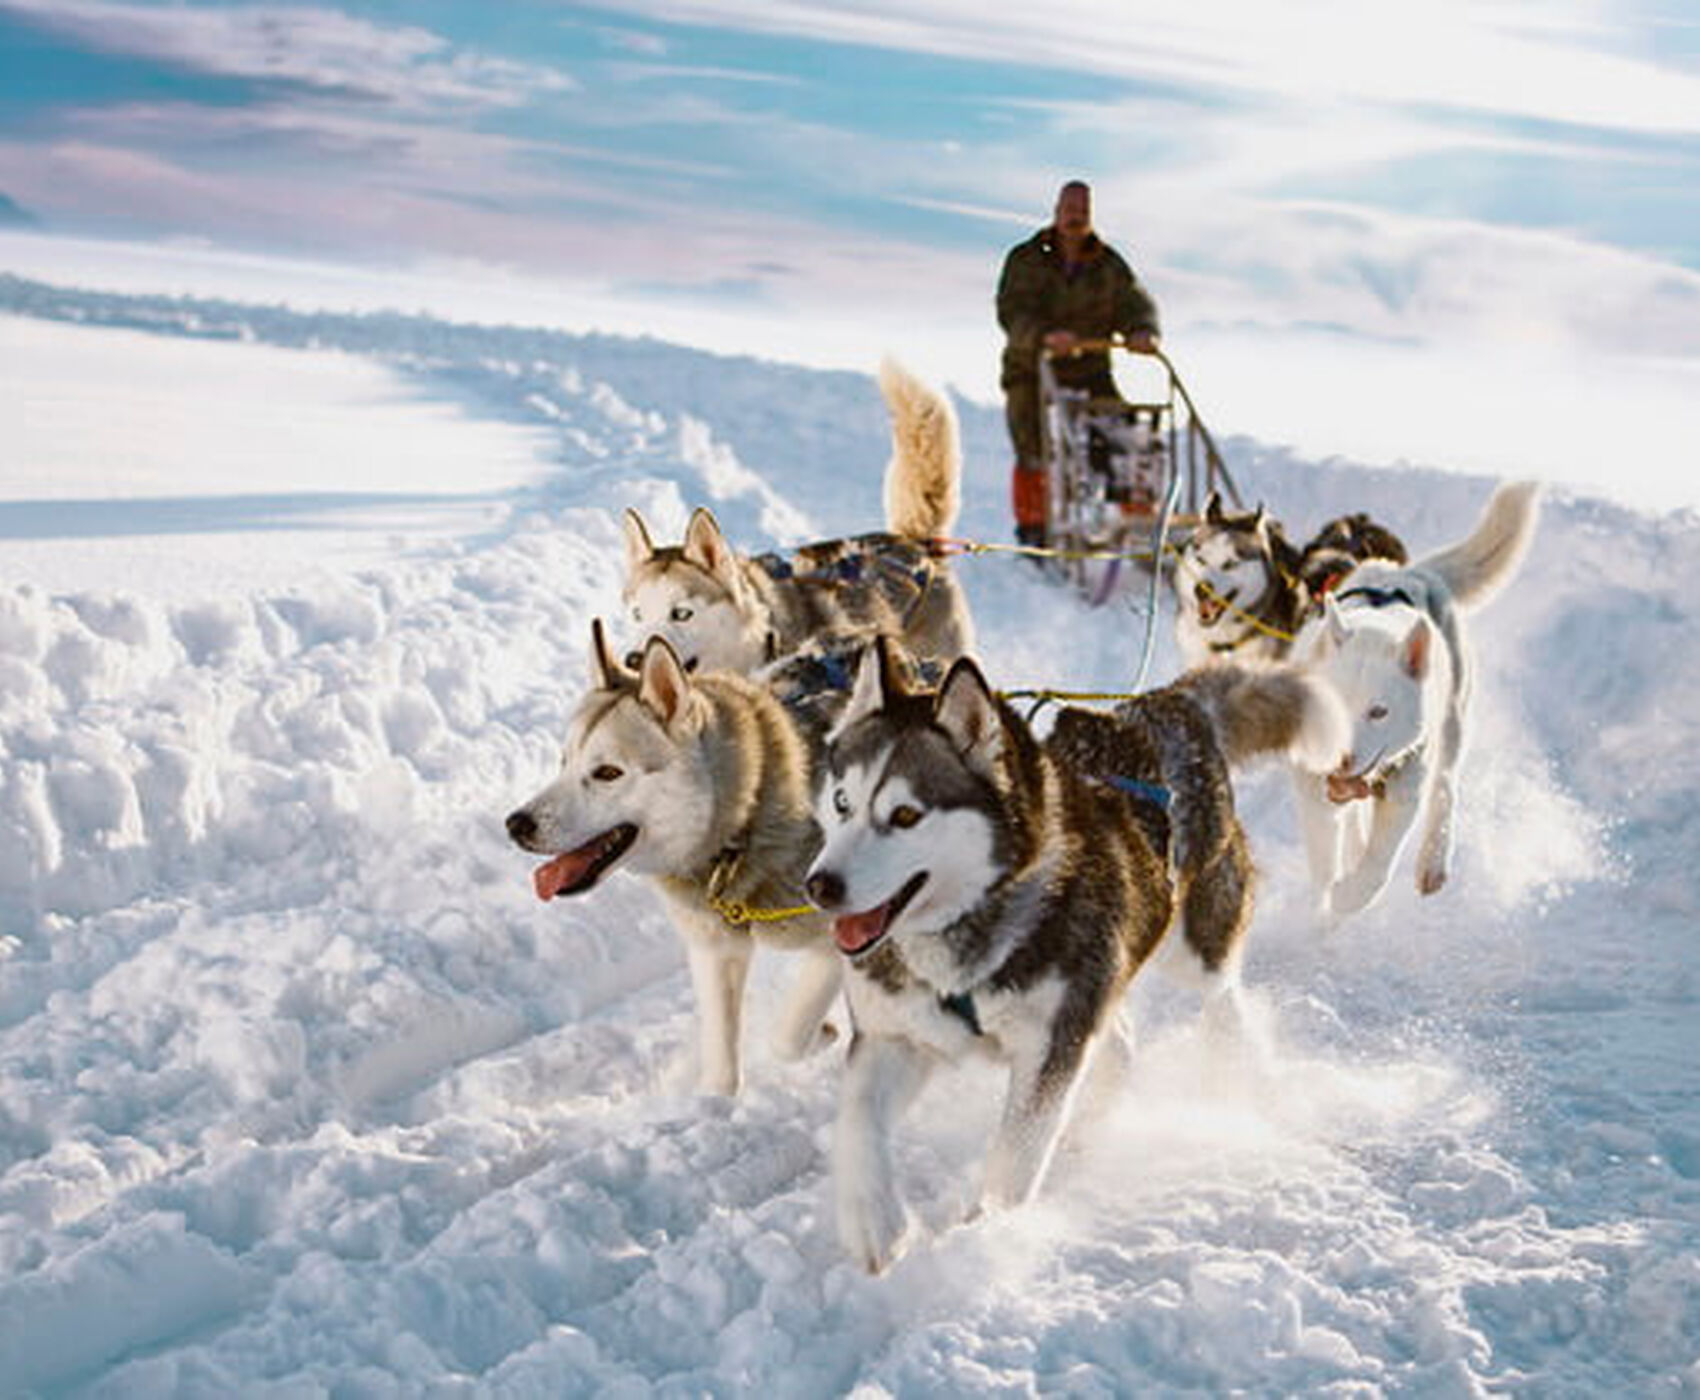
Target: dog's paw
677 1074
1353 895
720 1081
874 1230
1328 918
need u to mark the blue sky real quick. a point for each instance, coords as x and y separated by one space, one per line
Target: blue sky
1519 178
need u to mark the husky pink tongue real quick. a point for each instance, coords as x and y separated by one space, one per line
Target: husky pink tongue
559 874
855 932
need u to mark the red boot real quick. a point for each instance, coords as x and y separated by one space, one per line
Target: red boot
1027 495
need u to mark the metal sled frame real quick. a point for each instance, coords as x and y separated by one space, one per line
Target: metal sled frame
1094 525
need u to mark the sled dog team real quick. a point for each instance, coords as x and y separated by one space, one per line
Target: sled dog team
802 754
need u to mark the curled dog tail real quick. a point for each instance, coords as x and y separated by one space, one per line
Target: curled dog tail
923 481
1478 567
1273 709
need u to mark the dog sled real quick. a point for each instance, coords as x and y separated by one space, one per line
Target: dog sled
1126 476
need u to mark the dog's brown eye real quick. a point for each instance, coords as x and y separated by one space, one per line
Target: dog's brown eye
841 803
606 772
905 816
1378 712
681 614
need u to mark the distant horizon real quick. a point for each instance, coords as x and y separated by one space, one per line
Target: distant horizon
1524 178
1456 235
1599 426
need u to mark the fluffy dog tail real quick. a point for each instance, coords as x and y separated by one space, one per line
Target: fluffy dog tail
923 481
1478 567
1274 709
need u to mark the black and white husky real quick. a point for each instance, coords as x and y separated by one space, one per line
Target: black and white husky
1242 589
994 894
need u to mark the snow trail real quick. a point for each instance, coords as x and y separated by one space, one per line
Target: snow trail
300 1087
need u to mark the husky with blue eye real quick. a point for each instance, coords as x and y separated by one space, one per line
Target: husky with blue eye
993 895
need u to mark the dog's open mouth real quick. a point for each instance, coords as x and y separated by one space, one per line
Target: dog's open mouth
1211 604
857 933
575 871
1349 787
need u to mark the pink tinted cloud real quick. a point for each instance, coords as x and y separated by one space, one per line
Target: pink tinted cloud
318 48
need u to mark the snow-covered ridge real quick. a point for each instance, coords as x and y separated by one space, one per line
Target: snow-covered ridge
299 1085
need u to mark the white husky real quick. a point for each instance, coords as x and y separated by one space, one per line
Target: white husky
1391 642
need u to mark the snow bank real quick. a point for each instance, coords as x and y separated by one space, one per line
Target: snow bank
301 1090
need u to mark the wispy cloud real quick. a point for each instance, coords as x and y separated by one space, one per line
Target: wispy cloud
320 49
1519 58
679 72
1370 168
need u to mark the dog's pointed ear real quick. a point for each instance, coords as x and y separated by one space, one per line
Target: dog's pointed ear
605 671
1417 649
663 687
1213 509
639 548
1260 519
878 677
1337 629
968 713
706 547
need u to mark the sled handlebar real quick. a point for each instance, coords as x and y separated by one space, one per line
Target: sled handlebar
1104 344
1098 344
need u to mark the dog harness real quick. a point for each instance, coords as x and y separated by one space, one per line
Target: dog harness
1378 597
893 563
1149 792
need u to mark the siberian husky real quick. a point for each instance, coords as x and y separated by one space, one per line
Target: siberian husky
994 895
1242 588
1391 642
701 782
721 610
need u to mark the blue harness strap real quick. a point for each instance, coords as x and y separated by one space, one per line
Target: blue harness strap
1378 597
835 672
1149 792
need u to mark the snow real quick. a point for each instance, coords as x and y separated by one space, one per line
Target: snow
302 1092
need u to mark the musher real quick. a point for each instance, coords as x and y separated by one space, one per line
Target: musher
1061 286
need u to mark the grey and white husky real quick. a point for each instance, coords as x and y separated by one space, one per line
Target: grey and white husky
722 610
995 894
1392 644
701 782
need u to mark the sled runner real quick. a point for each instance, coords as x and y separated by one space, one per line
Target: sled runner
1125 475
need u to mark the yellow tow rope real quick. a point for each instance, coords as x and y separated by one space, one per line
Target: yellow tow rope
1256 623
1046 696
737 913
959 546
